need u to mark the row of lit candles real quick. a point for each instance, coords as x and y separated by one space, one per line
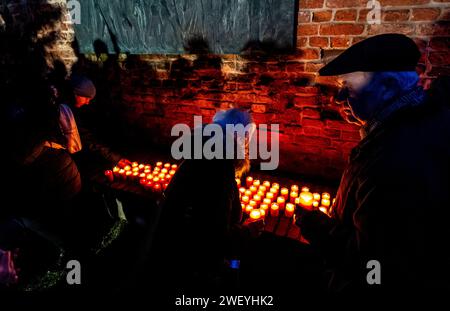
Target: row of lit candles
259 199
156 178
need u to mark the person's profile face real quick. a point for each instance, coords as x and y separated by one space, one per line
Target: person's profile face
81 101
355 82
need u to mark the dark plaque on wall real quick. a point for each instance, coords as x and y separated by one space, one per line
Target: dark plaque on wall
167 26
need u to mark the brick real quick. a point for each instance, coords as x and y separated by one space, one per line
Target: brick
441 28
311 4
312 123
351 135
295 66
345 15
311 131
346 3
440 43
258 108
440 58
331 133
402 2
340 42
304 16
362 15
425 14
309 53
341 29
322 16
341 125
305 101
395 15
313 67
312 140
302 42
406 29
307 30
318 42
311 113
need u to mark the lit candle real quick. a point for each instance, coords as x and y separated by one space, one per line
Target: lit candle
143 181
162 176
289 211
142 175
248 193
159 164
148 185
149 176
164 170
263 212
284 192
165 185
276 185
316 196
157 187
172 172
253 189
305 189
306 200
248 209
109 175
135 175
316 204
267 201
293 196
264 207
155 180
147 167
245 199
157 169
242 190
270 196
326 202
274 190
122 173
252 203
326 196
261 193
127 168
297 201
281 202
266 184
257 198
294 188
167 165
116 170
255 215
141 166
262 188
243 206
147 171
238 182
257 183
249 181
134 164
274 210
174 166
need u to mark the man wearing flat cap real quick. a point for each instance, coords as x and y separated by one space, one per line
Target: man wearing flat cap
388 231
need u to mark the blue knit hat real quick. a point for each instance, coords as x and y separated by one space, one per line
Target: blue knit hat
83 87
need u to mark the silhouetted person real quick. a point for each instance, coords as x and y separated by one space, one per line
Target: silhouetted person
393 202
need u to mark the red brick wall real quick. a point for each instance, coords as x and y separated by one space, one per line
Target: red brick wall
154 92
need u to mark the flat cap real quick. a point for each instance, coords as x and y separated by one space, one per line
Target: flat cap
386 52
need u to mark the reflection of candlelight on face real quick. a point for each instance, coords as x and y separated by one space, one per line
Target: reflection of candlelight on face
306 200
289 211
255 215
281 202
274 210
249 181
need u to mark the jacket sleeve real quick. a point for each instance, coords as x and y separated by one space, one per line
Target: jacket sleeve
69 129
